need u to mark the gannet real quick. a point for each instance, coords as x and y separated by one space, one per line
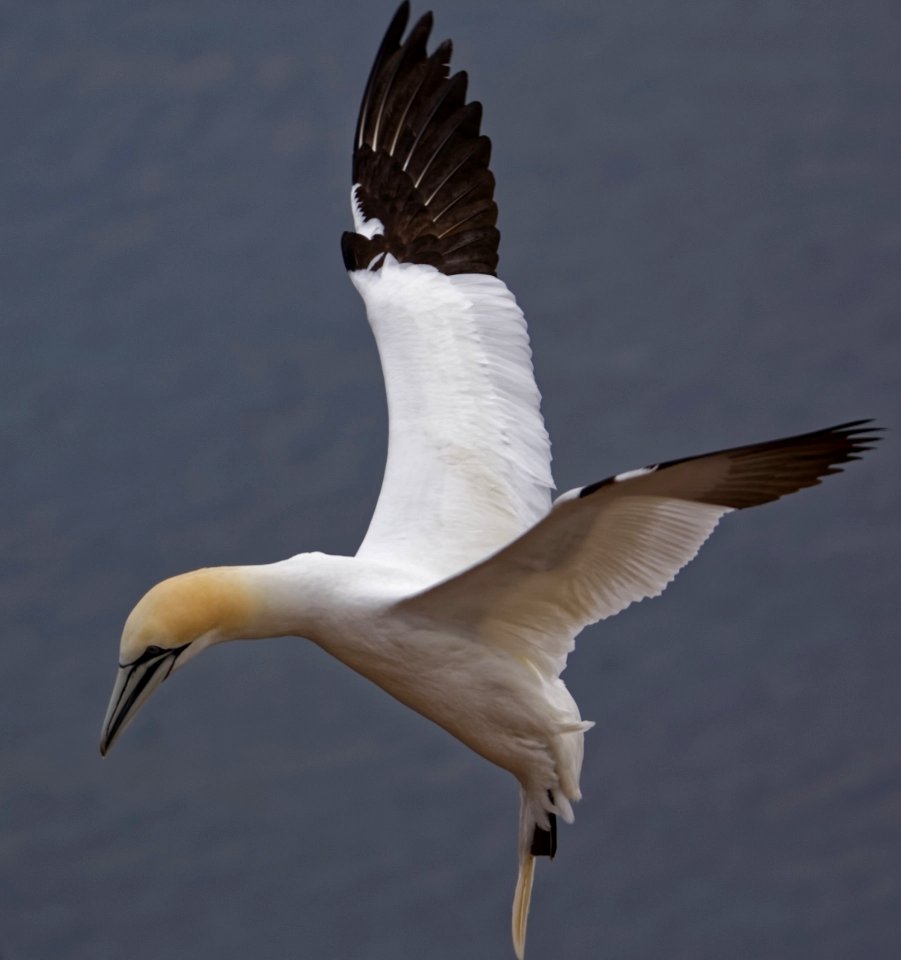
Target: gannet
470 586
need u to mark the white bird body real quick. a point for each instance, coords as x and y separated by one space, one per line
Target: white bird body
497 702
470 587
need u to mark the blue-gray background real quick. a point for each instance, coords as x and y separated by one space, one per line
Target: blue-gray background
701 215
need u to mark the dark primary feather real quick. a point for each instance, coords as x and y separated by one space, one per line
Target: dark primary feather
758 473
421 162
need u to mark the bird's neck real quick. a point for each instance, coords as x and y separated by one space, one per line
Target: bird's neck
337 602
317 595
303 596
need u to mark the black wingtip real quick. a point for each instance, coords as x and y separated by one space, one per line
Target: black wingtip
860 434
420 160
758 473
399 23
390 43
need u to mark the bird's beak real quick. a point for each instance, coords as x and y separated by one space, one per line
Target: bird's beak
134 684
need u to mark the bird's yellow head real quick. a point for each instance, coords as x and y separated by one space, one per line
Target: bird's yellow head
170 625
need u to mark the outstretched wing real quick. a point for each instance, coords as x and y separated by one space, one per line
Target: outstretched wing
607 545
468 465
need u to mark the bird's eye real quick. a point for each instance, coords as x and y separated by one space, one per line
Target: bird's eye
153 651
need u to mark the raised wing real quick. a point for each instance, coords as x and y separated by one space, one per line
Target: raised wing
468 465
607 545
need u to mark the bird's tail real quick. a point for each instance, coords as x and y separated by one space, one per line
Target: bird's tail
534 841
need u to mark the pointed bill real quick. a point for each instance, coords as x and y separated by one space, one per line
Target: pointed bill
134 684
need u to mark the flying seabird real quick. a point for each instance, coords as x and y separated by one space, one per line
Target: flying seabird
470 586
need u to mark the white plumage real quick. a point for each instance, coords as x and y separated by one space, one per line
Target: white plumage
468 464
469 588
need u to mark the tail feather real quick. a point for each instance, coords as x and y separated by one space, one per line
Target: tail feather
534 841
521 900
544 842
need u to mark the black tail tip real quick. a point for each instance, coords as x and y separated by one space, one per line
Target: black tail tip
544 842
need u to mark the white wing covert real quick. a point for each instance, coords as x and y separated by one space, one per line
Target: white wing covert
610 544
468 466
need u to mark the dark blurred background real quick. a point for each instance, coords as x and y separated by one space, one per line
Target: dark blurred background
701 217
